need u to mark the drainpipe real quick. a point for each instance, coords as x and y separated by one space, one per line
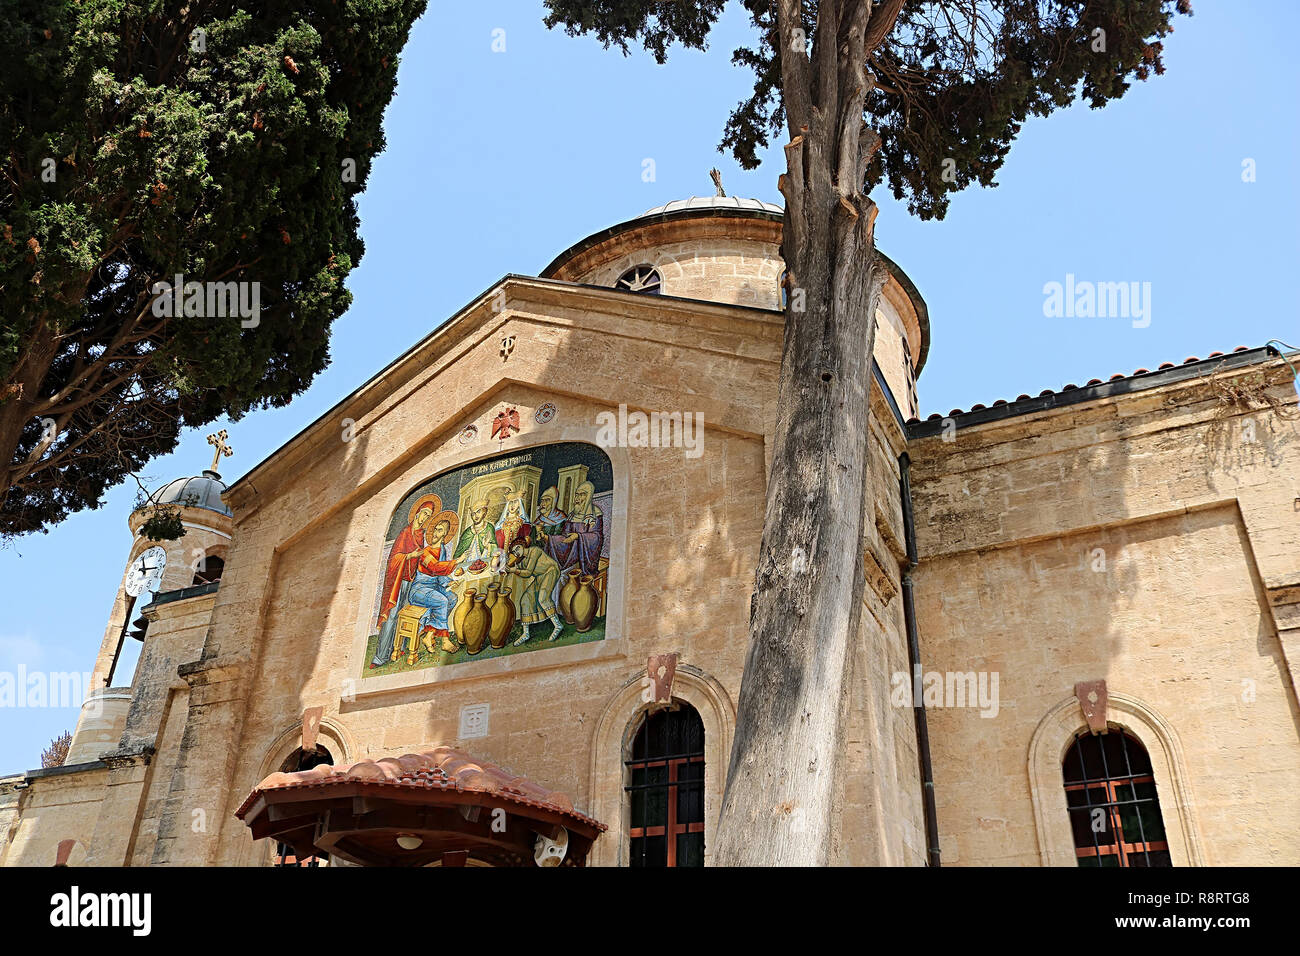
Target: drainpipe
913 659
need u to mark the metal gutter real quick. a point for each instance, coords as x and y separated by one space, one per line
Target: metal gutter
914 662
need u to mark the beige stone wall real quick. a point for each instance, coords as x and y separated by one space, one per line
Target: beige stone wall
1136 540
175 636
747 272
10 791
879 814
57 807
155 723
154 789
890 354
735 271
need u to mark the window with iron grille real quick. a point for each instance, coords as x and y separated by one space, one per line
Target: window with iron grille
1110 791
666 789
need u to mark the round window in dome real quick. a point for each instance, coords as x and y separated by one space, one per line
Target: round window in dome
641 279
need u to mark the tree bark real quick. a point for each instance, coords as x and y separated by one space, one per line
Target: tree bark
18 403
806 607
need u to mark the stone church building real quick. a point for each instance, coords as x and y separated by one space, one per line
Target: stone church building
491 608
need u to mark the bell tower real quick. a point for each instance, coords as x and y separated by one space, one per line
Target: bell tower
154 569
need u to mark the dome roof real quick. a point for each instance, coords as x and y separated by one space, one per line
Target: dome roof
715 202
710 207
199 491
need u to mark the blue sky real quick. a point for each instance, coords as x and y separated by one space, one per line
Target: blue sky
498 161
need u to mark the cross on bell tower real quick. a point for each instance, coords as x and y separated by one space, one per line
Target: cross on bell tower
218 442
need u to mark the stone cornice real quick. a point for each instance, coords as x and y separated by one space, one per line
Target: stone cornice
684 225
89 766
127 758
191 516
211 670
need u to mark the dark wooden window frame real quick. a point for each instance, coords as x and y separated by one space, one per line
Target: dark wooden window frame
213 568
672 788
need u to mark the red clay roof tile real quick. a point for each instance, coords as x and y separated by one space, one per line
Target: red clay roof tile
444 768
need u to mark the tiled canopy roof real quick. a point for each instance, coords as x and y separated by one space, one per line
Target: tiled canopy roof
444 769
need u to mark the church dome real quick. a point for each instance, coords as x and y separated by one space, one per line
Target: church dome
715 202
727 249
198 491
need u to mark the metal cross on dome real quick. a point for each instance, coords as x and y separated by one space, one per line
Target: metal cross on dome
218 442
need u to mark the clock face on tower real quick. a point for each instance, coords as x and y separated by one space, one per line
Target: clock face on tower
146 572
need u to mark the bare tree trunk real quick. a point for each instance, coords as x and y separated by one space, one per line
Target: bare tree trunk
806 607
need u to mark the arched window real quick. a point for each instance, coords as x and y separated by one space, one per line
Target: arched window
301 760
1110 791
909 376
780 285
209 571
665 785
643 279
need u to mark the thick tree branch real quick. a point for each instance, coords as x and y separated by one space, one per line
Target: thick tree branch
883 17
796 87
826 93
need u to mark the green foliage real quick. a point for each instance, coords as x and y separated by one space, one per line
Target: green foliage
955 79
655 24
218 155
163 524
